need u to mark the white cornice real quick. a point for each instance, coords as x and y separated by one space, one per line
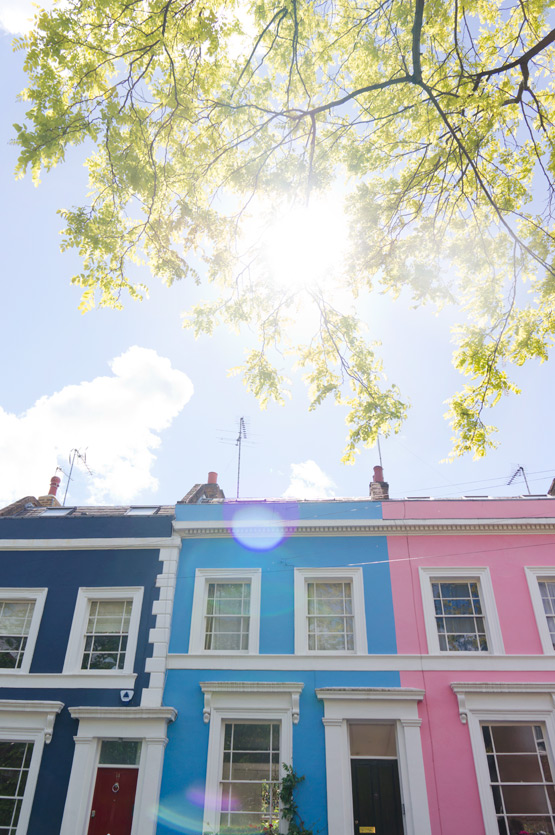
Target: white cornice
251 686
370 527
503 687
89 543
30 707
291 690
467 662
122 714
372 693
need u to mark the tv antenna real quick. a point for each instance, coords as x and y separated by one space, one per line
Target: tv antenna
380 451
242 436
519 471
82 456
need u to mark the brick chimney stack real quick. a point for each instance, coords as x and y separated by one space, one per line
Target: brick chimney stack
379 489
204 492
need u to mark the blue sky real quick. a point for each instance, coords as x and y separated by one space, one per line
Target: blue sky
155 409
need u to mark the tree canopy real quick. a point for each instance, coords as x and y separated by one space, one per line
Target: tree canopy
207 119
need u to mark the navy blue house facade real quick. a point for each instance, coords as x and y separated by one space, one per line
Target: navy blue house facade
283 653
84 611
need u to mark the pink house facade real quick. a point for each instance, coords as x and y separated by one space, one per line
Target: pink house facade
473 585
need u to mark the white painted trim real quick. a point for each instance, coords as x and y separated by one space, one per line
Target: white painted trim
468 573
372 527
95 680
397 705
302 576
463 661
203 576
147 725
89 543
76 643
162 609
264 702
534 576
483 703
39 596
263 688
31 721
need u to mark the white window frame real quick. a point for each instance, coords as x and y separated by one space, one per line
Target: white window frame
480 575
205 576
503 703
303 576
76 643
31 721
392 705
236 701
39 597
534 577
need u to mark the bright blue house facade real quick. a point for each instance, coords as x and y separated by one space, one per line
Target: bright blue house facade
83 605
283 652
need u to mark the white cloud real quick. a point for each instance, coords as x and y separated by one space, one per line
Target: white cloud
16 16
308 481
117 419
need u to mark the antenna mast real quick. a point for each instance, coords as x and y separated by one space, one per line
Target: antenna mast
240 437
72 456
519 470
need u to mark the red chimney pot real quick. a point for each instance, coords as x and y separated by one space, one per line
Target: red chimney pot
212 478
54 484
378 474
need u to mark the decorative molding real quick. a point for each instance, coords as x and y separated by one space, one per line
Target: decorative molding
372 527
262 688
462 688
503 687
370 693
441 662
45 713
90 543
124 713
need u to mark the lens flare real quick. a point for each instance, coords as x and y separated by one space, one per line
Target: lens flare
261 527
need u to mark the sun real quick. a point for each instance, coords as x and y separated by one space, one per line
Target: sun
304 246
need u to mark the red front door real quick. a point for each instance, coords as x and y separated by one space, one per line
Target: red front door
113 801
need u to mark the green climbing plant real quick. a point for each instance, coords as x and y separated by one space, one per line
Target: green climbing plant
289 806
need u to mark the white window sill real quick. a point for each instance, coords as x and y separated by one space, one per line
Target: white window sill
86 679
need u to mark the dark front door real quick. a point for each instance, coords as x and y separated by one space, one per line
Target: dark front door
376 797
113 801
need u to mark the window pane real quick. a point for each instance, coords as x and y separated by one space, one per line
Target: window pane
14 768
513 738
330 622
119 752
227 621
15 622
459 620
520 778
106 635
547 591
250 773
